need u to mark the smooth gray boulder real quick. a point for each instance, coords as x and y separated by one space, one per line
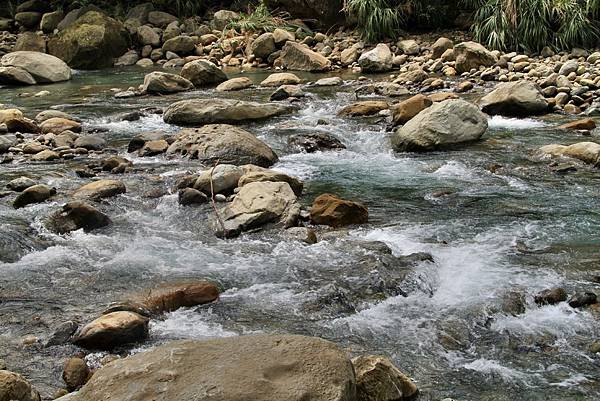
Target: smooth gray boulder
44 68
514 99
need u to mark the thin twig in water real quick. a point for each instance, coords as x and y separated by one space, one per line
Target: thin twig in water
212 197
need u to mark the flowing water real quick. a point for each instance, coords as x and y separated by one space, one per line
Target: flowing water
519 229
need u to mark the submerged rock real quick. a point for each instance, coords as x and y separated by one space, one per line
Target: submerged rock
226 144
582 299
445 124
191 196
588 152
258 204
77 215
310 143
377 379
14 387
112 330
237 368
332 211
209 111
169 297
519 98
551 296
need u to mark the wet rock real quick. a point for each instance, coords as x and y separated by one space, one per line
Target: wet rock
377 379
585 124
191 196
138 141
90 142
551 296
263 46
152 148
331 81
158 82
20 184
62 334
472 55
264 175
281 78
202 73
48 114
588 152
595 347
34 194
91 42
332 211
519 98
258 204
302 234
364 108
7 142
316 142
9 114
314 369
513 303
170 297
287 91
75 373
44 68
77 215
582 299
407 109
235 84
224 179
57 125
112 330
14 387
441 125
209 111
377 60
295 56
22 125
100 189
15 76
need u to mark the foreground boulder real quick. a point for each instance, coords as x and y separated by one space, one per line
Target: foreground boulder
295 56
77 215
258 204
332 211
159 82
519 99
224 143
471 55
203 73
92 42
445 124
209 111
34 194
588 152
43 68
258 368
112 330
377 60
14 387
377 379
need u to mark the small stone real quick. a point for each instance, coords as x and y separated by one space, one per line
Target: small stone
75 373
582 299
191 196
551 296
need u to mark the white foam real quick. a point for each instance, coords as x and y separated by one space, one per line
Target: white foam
495 368
188 323
151 122
499 122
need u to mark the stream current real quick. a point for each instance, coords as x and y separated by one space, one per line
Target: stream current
520 229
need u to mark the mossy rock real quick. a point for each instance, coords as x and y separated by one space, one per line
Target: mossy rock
92 42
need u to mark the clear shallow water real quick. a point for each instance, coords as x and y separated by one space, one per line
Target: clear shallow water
522 228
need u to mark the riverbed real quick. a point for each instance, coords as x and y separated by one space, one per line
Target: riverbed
494 215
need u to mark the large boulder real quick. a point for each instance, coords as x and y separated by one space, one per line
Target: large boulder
221 179
471 55
203 73
14 387
208 111
257 368
224 143
280 78
377 60
235 84
30 41
323 13
263 45
332 211
100 189
295 56
15 76
180 45
158 82
407 109
519 98
364 108
377 379
147 36
44 68
445 124
588 152
92 42
172 296
258 204
34 194
50 21
77 215
264 175
112 330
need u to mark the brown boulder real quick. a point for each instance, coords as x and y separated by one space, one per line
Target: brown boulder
377 379
75 374
585 124
170 297
332 211
364 108
111 330
100 189
407 109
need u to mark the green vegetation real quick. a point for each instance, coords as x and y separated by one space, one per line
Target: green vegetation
259 19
